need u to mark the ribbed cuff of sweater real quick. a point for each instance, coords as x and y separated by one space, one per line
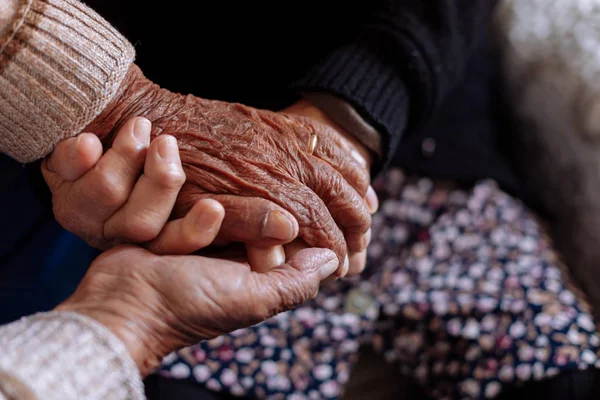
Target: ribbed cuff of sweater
360 74
60 65
63 355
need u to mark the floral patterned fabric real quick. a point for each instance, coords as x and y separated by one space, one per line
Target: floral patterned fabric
462 290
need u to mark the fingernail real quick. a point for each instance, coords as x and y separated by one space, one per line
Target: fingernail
366 239
167 149
278 226
346 266
206 221
141 130
372 200
328 268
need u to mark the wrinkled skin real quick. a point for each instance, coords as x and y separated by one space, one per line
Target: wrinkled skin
230 151
159 304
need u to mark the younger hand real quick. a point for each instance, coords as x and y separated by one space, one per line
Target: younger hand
125 195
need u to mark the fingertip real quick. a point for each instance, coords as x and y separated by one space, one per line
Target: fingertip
73 157
205 219
63 151
280 225
372 200
142 128
208 213
214 206
366 240
323 261
328 269
263 259
312 258
165 148
358 262
196 230
345 266
89 149
133 138
163 164
139 129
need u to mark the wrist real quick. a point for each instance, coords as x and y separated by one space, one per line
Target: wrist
307 109
135 333
135 97
347 117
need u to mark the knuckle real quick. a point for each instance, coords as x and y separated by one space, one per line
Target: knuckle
76 222
170 177
109 191
130 150
138 230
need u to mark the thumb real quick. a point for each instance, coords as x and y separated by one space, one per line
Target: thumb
71 159
252 220
295 282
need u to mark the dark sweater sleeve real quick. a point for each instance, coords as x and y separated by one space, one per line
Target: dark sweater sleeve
400 62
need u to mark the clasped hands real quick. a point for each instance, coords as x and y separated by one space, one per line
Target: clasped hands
136 191
253 162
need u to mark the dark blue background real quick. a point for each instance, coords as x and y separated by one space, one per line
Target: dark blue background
40 263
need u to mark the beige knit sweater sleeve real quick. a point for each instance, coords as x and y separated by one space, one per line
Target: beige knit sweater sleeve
60 65
63 356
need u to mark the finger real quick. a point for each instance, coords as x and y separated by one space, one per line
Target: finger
262 259
148 208
293 283
347 208
357 264
317 227
191 233
372 200
72 158
251 220
358 260
83 206
106 187
338 152
291 249
343 156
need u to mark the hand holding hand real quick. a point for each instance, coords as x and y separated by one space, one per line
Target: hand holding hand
158 304
251 160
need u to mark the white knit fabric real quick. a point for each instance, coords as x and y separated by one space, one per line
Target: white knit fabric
59 355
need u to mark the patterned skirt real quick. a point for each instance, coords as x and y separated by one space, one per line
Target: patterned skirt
462 290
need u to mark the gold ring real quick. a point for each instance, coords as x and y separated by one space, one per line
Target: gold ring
312 143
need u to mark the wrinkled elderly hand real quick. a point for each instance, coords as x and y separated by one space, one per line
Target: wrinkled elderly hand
159 304
239 155
358 260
